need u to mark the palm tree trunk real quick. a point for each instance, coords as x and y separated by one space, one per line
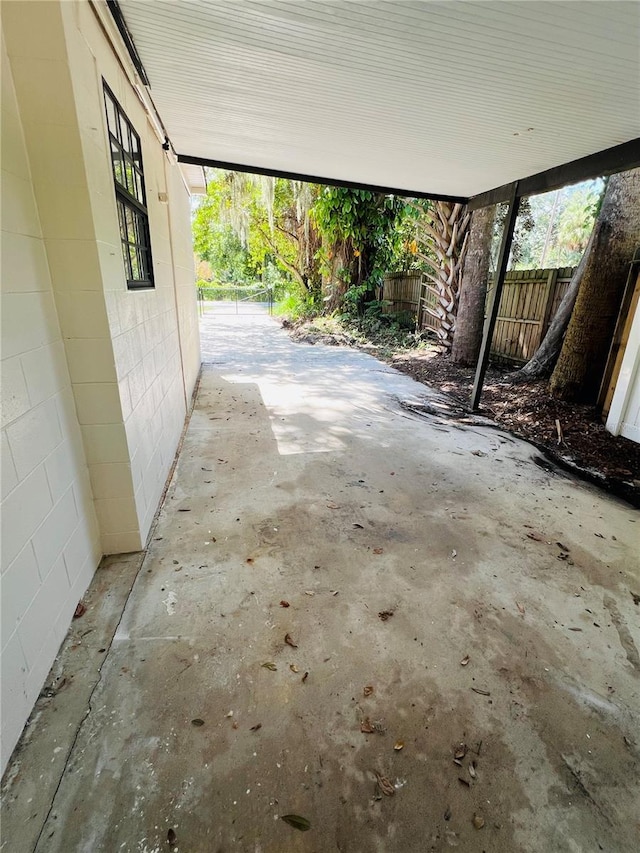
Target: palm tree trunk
447 236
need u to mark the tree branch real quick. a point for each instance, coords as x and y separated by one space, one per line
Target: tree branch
285 263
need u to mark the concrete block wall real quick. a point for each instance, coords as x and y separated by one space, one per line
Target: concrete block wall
50 543
67 186
96 379
156 346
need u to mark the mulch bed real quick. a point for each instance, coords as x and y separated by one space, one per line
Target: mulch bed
530 412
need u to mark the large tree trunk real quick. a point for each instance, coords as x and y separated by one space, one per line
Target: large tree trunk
543 360
473 288
334 285
616 234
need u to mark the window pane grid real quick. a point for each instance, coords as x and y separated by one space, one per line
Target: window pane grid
128 175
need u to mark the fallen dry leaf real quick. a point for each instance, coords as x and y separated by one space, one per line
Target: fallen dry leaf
296 821
331 505
398 745
472 770
478 821
289 641
368 690
358 526
81 609
234 725
270 665
378 550
385 785
460 750
520 607
197 722
465 660
293 667
367 727
480 691
284 603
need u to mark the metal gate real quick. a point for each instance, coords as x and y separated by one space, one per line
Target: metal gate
235 299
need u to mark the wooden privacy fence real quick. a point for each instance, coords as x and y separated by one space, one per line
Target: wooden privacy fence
401 291
530 298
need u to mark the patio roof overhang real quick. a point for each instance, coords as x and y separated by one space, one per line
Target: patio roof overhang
442 99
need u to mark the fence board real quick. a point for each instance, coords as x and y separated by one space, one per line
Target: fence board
401 291
529 301
530 298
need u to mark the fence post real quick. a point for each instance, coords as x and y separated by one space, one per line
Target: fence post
419 311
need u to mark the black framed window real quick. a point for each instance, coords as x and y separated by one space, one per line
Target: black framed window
131 197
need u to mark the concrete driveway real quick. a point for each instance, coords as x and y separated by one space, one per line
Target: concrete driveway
395 625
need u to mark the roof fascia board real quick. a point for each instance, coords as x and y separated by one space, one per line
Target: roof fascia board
127 38
315 179
620 158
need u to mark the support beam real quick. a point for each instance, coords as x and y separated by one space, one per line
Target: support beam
496 293
620 158
315 179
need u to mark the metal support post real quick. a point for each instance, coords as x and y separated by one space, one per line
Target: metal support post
496 293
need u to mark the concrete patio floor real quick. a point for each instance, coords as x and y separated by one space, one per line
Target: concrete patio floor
416 577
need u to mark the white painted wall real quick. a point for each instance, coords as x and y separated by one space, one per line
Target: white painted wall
96 379
154 333
624 413
50 543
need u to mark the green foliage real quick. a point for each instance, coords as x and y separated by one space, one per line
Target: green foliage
406 256
250 227
362 228
553 228
298 305
525 223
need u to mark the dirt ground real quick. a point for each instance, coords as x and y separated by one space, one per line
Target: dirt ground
357 609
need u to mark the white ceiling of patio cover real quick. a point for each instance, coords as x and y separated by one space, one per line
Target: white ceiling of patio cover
445 97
